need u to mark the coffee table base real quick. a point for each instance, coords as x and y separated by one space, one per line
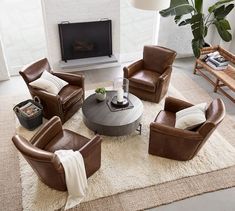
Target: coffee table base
112 130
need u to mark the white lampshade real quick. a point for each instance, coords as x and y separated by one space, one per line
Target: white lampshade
151 4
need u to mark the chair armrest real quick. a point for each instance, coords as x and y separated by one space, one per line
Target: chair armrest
43 94
166 73
47 132
174 132
72 79
27 149
47 99
174 105
96 140
131 69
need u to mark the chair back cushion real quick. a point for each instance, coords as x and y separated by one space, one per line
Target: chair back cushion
45 164
35 70
158 58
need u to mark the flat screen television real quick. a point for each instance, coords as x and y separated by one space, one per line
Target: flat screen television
86 39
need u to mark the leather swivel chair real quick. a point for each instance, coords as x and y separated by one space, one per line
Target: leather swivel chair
167 141
68 100
39 152
149 77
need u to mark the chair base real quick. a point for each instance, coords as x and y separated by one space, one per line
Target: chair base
145 95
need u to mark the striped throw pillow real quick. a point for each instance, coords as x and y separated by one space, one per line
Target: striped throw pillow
191 117
59 83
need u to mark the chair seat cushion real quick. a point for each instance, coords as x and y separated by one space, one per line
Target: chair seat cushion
69 95
66 140
166 118
145 80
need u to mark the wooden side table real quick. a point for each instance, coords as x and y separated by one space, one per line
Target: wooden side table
222 77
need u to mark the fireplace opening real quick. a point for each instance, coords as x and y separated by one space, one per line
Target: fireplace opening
85 40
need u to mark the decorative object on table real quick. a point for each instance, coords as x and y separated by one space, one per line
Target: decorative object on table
187 12
100 94
113 107
216 61
121 86
29 113
64 103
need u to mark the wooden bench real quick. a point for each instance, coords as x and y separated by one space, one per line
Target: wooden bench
222 77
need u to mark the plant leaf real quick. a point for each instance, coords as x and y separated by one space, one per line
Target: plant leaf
178 8
197 26
222 12
205 30
185 22
217 4
196 46
222 27
177 18
198 5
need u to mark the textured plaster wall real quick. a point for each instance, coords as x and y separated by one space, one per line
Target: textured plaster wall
22 31
3 68
179 38
56 11
136 30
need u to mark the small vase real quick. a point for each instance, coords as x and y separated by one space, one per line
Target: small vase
100 97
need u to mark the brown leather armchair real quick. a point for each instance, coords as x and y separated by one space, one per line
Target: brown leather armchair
167 141
39 152
69 99
149 77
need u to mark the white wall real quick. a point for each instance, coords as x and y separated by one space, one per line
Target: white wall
230 45
3 67
56 11
22 31
174 37
179 38
136 30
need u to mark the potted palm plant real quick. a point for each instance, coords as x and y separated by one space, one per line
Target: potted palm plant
191 12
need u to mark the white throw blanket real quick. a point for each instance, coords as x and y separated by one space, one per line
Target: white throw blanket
75 176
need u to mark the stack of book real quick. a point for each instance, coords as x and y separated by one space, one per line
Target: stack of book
216 61
29 109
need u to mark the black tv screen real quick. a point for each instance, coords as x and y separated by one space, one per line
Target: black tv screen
84 40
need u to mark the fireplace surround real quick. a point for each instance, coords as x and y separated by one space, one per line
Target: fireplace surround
85 39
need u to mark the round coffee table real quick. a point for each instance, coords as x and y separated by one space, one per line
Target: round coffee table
98 117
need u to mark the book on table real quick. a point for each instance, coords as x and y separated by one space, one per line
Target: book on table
216 67
218 61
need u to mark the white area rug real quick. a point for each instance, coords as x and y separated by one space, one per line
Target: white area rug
125 163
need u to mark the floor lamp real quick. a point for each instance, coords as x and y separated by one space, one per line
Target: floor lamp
155 5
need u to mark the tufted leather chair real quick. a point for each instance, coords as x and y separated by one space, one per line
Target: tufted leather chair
39 152
167 141
149 77
69 99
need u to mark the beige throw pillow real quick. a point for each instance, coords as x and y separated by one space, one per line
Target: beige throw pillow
46 85
49 83
191 117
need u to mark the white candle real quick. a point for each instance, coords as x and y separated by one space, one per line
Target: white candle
120 93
